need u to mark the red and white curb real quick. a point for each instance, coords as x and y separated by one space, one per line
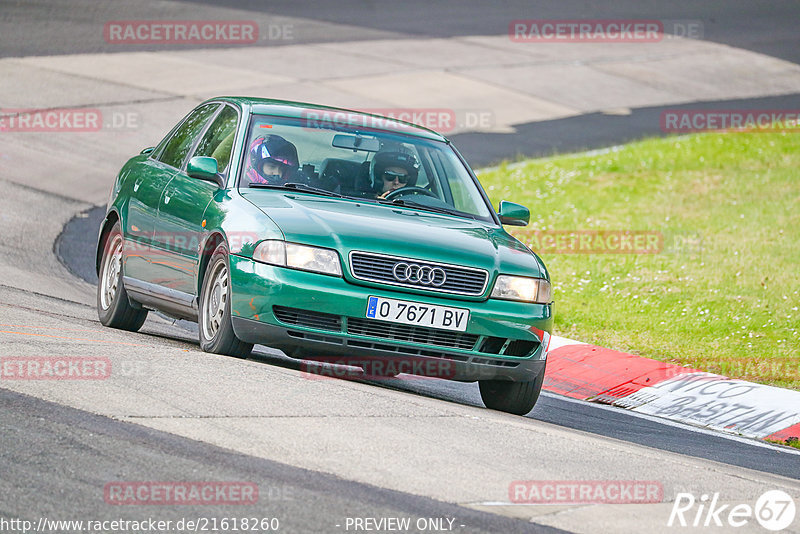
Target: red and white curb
596 374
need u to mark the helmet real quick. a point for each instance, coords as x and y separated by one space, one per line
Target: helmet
384 160
272 149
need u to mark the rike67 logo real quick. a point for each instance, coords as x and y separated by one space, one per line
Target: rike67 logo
774 510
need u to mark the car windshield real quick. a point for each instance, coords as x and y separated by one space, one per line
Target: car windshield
360 162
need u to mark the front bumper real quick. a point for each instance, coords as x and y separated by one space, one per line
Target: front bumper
326 320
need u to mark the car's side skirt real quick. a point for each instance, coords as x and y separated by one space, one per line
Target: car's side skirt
170 301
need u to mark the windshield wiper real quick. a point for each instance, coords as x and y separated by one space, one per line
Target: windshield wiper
298 187
435 209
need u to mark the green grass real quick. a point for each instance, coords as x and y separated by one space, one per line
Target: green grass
723 294
789 442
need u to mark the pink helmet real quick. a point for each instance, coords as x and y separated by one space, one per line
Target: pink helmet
272 149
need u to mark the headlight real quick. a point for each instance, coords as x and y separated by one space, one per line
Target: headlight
520 288
318 260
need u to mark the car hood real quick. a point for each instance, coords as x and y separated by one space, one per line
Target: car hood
347 225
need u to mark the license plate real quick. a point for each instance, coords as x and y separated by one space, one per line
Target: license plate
417 314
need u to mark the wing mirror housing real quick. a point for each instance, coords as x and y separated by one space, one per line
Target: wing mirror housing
205 168
513 214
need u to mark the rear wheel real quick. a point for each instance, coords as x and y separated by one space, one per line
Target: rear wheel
113 307
518 398
216 330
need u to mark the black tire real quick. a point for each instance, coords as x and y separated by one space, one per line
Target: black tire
216 331
517 398
113 307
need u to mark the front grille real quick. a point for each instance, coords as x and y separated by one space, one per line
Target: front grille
378 268
495 363
492 345
406 350
387 331
311 319
314 337
508 347
521 347
411 334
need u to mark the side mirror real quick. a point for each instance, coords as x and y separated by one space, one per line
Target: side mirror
204 168
513 214
147 150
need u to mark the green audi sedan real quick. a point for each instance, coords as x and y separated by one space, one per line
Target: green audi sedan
333 235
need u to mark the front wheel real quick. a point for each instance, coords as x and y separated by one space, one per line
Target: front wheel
216 330
113 307
517 398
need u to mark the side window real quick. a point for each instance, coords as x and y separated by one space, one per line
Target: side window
178 146
218 140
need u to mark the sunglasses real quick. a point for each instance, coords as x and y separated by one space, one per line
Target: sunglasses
391 176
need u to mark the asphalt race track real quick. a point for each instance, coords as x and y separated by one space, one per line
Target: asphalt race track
320 451
57 436
73 247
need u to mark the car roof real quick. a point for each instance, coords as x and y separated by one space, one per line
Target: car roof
341 116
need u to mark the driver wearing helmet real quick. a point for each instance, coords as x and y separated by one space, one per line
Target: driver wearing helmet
392 171
273 160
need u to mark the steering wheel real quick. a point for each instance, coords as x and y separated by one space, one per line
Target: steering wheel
409 190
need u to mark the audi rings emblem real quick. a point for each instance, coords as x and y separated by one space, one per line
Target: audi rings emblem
419 274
